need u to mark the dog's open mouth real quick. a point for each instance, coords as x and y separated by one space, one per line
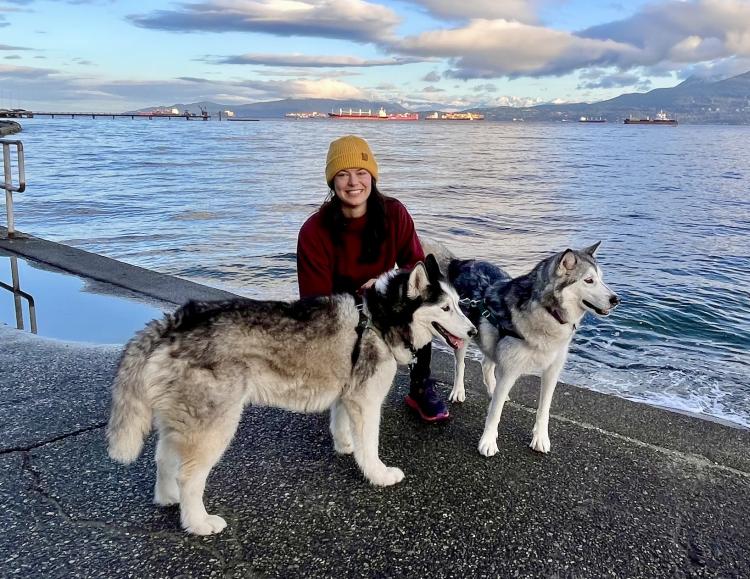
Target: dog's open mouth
593 308
453 341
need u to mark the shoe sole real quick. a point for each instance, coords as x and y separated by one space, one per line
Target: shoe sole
411 403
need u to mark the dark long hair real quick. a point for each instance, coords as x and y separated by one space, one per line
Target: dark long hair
374 232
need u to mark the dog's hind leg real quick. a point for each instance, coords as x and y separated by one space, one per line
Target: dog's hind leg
458 394
505 381
341 429
540 435
166 490
200 451
364 414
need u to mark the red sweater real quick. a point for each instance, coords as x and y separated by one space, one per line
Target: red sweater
324 268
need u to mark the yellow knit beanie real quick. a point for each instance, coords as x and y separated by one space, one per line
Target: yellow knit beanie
350 152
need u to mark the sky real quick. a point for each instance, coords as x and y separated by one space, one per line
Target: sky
108 55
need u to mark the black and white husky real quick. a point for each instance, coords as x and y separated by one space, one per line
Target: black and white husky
192 373
525 326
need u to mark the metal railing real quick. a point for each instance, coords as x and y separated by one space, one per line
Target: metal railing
18 293
7 184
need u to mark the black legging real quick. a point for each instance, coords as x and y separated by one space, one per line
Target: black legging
420 370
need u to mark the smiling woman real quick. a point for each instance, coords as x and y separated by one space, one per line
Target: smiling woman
355 236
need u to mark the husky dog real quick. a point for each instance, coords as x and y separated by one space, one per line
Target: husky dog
194 371
525 326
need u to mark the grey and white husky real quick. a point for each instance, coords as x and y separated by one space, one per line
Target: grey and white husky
192 373
525 326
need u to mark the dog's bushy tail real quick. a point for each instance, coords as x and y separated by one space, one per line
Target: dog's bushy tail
442 254
132 412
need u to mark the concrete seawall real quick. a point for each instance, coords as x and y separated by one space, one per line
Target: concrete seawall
9 128
627 491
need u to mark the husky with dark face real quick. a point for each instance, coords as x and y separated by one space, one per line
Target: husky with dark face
193 372
525 326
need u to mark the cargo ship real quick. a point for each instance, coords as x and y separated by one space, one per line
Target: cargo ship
368 115
455 117
661 118
306 115
592 120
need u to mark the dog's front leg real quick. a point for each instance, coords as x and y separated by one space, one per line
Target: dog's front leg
458 394
505 381
540 435
341 429
488 375
364 417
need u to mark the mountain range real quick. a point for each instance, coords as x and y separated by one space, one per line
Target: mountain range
694 100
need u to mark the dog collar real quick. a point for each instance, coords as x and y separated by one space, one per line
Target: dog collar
555 314
364 323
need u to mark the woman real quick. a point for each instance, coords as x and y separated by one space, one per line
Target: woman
356 235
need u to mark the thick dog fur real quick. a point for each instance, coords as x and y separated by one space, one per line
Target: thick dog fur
192 373
544 308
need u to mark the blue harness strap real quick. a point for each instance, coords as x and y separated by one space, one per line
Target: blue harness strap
490 316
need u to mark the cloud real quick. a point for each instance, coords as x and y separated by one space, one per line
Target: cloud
432 76
432 89
495 48
485 88
596 78
671 34
36 84
312 61
340 19
519 10
17 73
8 47
716 70
681 32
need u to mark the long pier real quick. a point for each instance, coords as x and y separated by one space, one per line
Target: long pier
149 116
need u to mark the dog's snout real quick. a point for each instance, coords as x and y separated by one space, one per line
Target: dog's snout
472 332
614 300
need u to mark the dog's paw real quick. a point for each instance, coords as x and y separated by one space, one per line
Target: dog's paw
343 446
488 445
458 394
386 477
208 525
540 442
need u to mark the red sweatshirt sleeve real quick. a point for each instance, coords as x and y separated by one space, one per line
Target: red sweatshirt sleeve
314 262
409 247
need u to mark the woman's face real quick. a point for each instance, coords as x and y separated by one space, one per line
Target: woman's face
353 188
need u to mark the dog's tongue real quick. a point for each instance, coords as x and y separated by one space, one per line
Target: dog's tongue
457 343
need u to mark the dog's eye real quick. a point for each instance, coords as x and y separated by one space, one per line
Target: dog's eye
446 308
589 280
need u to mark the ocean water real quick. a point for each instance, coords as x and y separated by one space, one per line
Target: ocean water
221 203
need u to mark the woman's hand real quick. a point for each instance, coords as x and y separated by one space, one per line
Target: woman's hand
367 285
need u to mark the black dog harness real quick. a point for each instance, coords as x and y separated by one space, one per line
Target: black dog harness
490 316
365 323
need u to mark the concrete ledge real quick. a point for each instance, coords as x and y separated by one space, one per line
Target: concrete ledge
102 269
627 491
9 128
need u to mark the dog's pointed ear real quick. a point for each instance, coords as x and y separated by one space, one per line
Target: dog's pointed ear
591 250
567 261
419 281
433 269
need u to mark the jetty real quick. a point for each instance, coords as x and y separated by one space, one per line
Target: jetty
94 115
628 490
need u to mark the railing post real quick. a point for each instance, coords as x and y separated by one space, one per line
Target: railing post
8 182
